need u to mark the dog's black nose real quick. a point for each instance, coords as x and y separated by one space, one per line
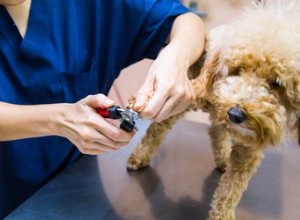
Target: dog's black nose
236 115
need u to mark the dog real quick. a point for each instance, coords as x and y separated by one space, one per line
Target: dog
249 83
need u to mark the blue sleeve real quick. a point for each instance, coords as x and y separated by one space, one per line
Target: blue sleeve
154 28
123 32
127 31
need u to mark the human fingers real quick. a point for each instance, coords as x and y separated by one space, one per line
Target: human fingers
155 103
143 95
84 126
112 131
118 138
174 105
170 110
90 141
94 148
97 101
102 125
169 100
181 103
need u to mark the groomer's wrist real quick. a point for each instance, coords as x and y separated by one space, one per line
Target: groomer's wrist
58 121
176 54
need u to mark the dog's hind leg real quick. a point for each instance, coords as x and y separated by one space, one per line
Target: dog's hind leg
221 145
242 165
150 143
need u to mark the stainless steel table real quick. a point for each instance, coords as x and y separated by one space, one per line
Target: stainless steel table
178 185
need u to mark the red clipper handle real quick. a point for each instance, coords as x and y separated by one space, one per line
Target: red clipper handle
112 112
103 112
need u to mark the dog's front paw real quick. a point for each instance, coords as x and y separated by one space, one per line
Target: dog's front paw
131 102
135 163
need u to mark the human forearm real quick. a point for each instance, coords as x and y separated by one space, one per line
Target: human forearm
78 122
25 121
187 38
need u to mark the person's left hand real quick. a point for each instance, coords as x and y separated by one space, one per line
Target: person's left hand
167 90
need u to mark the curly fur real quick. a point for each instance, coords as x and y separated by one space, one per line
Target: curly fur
250 86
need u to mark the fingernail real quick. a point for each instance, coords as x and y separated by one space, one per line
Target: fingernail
138 106
109 102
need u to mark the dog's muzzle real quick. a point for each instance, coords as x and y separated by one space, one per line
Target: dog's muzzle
236 115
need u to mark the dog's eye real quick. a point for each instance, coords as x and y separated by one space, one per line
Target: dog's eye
275 84
235 72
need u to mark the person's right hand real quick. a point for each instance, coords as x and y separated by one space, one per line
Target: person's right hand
87 130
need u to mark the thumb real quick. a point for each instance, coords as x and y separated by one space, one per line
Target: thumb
143 96
98 101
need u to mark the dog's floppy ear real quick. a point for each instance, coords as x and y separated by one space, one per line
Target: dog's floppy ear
214 66
293 92
213 69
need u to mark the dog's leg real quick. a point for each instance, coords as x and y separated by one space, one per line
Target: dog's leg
150 143
243 163
299 131
221 145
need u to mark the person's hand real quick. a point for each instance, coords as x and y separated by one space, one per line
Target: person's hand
87 130
167 90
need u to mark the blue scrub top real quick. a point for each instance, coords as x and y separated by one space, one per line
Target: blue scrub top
71 49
